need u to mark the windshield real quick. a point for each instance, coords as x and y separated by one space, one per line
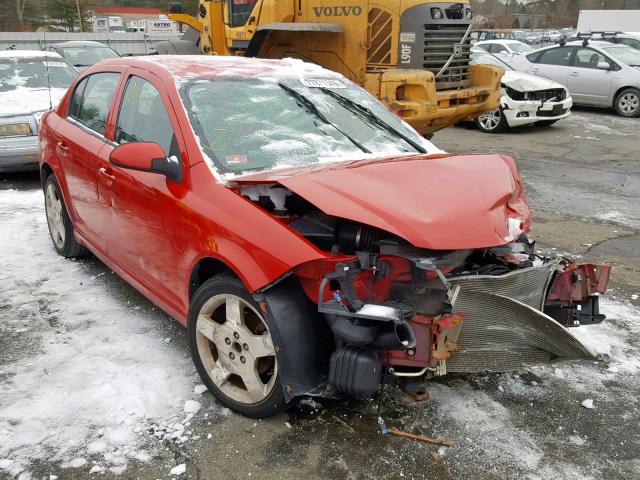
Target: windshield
87 56
627 55
481 58
253 124
31 72
520 48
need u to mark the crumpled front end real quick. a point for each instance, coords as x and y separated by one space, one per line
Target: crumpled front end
505 326
423 313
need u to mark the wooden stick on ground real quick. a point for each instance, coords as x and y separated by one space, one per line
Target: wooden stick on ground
421 438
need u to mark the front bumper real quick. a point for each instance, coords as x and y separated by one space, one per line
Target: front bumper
19 154
528 112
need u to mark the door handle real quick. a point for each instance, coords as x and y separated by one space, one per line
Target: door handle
535 70
574 74
62 146
107 176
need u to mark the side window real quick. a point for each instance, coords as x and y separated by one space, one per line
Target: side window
497 48
632 42
556 56
143 117
74 106
588 58
485 47
534 57
97 95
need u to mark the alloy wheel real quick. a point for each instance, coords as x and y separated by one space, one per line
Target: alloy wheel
491 120
629 102
236 349
55 215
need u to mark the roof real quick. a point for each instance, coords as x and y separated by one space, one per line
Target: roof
79 44
509 41
27 54
128 10
187 67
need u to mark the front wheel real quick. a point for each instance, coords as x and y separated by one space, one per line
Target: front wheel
492 122
232 348
59 222
627 103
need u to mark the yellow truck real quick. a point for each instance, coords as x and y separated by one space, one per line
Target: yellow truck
411 54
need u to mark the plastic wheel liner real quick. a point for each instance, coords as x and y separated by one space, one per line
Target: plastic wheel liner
505 328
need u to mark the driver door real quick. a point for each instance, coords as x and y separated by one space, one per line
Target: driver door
144 240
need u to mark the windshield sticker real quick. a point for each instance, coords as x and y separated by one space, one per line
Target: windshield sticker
56 64
235 159
322 83
407 37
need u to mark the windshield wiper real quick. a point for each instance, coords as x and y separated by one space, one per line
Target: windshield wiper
310 106
357 108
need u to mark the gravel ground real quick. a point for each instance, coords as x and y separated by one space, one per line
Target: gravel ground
96 382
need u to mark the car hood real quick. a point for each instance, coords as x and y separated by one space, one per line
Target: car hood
440 202
525 82
24 101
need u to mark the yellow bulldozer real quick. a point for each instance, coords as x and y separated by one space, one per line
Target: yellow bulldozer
411 54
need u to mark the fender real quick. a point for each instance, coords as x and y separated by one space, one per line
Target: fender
302 339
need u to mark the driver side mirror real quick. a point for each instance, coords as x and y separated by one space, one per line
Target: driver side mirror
604 66
146 157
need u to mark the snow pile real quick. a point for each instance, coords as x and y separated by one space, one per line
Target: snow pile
88 376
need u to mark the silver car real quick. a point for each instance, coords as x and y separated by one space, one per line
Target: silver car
30 83
597 73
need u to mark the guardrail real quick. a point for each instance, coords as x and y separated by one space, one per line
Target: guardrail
124 43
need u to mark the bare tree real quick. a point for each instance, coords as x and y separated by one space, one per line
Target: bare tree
20 5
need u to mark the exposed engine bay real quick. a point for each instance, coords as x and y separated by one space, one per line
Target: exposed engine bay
422 313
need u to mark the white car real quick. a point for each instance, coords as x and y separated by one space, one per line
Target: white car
502 47
526 99
600 74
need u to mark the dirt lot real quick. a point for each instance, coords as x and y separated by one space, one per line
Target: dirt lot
96 382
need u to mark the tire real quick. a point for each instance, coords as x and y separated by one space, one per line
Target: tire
627 103
234 354
492 122
545 123
58 221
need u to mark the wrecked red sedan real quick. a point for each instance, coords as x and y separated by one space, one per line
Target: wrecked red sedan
309 239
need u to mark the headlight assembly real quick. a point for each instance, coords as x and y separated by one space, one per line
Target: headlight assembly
15 130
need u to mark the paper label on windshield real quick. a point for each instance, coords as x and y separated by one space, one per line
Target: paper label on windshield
56 64
235 159
322 83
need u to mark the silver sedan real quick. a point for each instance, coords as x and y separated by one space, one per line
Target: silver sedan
31 82
596 73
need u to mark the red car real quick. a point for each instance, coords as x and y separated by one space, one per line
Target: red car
308 239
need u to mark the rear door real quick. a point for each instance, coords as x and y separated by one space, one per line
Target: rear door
80 141
554 64
587 83
143 239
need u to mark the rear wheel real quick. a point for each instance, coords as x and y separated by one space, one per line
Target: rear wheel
627 103
545 123
232 348
60 226
492 122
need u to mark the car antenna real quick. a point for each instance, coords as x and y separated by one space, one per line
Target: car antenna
46 65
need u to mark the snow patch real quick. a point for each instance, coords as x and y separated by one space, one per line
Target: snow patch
98 374
178 469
